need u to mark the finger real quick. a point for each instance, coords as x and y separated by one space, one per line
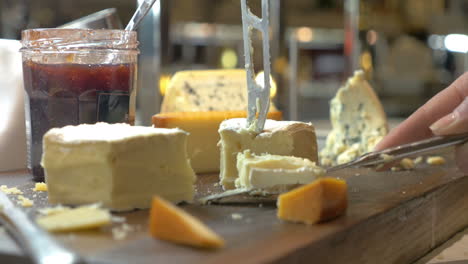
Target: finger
416 127
453 123
461 157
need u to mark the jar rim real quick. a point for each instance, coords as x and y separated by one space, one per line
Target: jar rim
77 39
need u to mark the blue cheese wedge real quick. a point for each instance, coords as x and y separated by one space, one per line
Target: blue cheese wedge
118 165
358 122
274 173
207 90
290 138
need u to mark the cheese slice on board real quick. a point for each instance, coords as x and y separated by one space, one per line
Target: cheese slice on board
358 122
274 173
80 218
118 165
168 222
202 143
207 90
319 201
290 138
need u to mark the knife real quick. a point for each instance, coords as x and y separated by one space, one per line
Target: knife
37 243
376 158
258 96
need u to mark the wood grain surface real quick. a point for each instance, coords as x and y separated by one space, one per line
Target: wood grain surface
393 217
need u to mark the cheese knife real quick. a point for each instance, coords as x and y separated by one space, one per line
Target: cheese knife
376 158
258 96
41 248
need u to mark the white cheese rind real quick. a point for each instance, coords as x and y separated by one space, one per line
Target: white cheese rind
358 122
290 138
274 173
122 170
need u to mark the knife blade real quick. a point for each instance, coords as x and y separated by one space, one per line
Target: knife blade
258 96
388 155
42 248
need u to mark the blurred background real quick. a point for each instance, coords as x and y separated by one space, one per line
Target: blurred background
409 49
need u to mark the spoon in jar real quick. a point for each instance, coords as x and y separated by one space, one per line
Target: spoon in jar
139 14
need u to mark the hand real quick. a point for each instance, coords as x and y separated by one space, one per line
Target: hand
444 114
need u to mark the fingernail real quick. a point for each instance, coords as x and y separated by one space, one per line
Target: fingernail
455 122
461 157
442 124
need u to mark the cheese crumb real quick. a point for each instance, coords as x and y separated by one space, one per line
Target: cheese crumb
53 210
435 160
386 157
236 216
418 160
25 202
12 190
40 187
395 169
407 164
121 232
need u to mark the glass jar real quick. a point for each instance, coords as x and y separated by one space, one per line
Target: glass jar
76 76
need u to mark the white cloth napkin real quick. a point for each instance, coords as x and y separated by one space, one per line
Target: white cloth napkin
12 125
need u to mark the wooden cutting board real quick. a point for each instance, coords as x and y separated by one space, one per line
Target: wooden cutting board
393 217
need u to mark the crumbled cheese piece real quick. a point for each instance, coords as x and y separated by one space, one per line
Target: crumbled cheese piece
236 216
121 232
435 160
12 190
407 164
395 169
118 219
53 210
25 202
40 187
418 160
386 157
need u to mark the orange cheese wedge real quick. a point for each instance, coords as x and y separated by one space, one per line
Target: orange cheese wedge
203 139
319 201
168 120
168 222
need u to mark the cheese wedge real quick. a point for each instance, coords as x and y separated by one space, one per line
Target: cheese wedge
167 222
202 143
81 218
358 122
118 165
274 173
207 90
319 201
290 138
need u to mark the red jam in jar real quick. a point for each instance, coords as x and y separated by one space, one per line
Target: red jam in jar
88 76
